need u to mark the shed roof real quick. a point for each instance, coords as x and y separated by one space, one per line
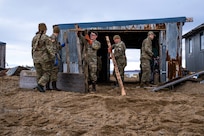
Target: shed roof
2 43
123 22
194 31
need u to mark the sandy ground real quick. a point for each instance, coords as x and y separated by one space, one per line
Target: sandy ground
27 112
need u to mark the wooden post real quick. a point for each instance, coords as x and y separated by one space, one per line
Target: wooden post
84 64
79 53
65 39
123 92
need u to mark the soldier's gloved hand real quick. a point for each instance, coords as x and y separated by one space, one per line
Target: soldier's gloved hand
56 61
63 44
88 39
109 49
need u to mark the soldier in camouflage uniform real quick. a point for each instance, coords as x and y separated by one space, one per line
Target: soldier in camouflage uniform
120 56
145 58
92 46
57 47
43 55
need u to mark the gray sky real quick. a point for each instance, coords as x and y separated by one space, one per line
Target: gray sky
19 19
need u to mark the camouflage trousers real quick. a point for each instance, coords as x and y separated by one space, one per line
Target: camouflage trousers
121 63
54 73
146 70
92 71
43 72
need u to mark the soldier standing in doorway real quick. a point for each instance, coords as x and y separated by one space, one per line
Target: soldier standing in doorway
92 46
120 56
43 55
57 47
145 58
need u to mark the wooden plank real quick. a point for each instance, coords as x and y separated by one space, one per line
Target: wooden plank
79 52
85 60
123 92
71 82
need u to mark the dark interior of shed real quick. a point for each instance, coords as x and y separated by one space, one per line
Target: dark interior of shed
132 39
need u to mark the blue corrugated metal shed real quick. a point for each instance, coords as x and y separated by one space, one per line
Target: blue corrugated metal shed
168 42
123 23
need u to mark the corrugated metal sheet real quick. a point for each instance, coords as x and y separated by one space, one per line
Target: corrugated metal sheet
174 50
15 71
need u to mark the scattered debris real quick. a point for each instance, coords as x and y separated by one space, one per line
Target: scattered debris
179 80
16 71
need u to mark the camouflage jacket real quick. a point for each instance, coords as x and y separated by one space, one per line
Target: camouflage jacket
42 48
56 45
89 50
93 48
119 50
146 50
119 53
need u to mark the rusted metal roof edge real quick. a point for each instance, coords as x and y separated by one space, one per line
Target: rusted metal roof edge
177 81
122 23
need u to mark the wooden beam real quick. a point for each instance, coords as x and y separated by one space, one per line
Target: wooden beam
123 92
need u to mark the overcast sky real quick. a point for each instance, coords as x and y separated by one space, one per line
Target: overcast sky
19 19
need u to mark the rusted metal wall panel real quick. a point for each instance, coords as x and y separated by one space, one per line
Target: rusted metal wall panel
173 50
160 26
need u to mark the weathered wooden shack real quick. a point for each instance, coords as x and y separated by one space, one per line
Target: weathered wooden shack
167 45
194 49
2 54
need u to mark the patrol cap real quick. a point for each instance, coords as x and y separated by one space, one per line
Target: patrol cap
56 29
116 37
42 27
150 32
94 33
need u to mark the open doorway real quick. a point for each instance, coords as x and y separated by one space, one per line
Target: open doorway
133 66
133 41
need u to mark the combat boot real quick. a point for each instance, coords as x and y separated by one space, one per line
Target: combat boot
40 88
94 86
48 86
54 86
142 85
147 84
116 84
